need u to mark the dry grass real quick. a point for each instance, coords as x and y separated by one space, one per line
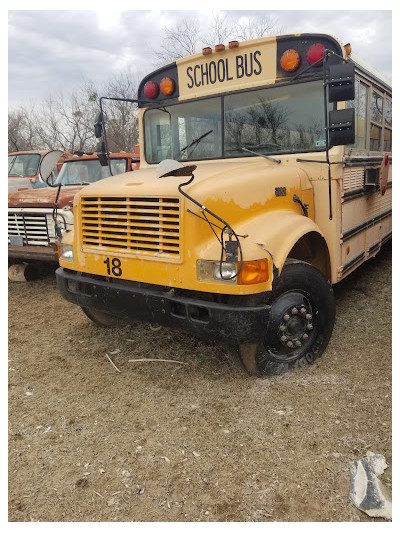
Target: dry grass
196 442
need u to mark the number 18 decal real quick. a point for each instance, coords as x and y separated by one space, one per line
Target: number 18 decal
113 266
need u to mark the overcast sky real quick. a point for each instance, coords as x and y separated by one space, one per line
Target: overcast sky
52 51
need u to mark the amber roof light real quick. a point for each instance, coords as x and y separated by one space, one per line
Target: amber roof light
167 86
290 60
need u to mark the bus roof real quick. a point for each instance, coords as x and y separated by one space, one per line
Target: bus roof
363 66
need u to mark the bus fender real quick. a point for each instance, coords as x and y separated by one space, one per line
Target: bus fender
277 233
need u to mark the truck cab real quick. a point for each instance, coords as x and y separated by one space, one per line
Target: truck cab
26 164
31 228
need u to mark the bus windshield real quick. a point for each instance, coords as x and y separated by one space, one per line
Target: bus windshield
23 164
283 119
88 170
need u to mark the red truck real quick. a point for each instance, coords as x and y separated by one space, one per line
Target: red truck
31 229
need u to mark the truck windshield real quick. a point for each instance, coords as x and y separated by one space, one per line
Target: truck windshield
273 120
88 171
23 164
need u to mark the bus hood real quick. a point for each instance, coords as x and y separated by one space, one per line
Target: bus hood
242 183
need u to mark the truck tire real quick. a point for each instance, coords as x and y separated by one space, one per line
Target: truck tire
102 319
300 324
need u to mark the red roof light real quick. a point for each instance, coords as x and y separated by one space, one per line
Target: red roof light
151 90
315 52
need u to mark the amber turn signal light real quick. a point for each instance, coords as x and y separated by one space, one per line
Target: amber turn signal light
167 86
290 60
253 272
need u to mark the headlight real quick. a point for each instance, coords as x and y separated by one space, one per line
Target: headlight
66 252
251 272
212 270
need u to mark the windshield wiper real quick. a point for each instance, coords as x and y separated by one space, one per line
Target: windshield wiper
194 142
261 155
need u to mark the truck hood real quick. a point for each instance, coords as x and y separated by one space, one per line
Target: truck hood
44 197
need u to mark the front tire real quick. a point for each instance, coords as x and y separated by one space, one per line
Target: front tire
300 323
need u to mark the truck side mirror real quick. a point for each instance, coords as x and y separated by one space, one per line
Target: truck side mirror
341 82
47 165
102 154
341 127
98 126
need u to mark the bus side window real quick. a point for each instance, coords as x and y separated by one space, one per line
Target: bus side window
387 135
376 109
360 106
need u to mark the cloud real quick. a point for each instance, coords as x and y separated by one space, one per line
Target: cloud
52 51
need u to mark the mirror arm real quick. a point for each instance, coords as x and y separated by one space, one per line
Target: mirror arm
54 214
324 66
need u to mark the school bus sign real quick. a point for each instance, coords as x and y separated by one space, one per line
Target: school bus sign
244 66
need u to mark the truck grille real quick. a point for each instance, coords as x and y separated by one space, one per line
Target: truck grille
145 226
30 228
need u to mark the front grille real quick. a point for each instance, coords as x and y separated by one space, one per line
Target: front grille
33 228
145 226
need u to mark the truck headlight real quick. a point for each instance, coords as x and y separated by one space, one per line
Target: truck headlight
212 270
66 252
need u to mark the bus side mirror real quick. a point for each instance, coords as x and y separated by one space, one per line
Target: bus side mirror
98 126
341 82
341 127
102 154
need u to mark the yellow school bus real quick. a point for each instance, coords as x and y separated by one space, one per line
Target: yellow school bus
265 178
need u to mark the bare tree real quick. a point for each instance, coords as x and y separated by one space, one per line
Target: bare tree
121 117
186 37
260 27
180 41
222 30
21 130
67 122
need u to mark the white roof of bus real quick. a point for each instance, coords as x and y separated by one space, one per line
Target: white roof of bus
363 64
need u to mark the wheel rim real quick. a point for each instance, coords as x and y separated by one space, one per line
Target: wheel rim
291 326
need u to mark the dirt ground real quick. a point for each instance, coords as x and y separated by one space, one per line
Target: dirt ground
200 442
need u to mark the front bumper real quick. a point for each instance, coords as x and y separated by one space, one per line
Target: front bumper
211 320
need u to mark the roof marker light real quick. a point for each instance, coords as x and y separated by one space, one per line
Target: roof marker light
233 44
219 47
151 90
207 51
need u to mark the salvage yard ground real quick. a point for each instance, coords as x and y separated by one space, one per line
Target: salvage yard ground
196 442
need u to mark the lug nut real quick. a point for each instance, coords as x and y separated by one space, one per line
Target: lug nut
283 338
308 316
290 344
286 317
309 326
294 311
282 327
305 336
303 310
298 343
